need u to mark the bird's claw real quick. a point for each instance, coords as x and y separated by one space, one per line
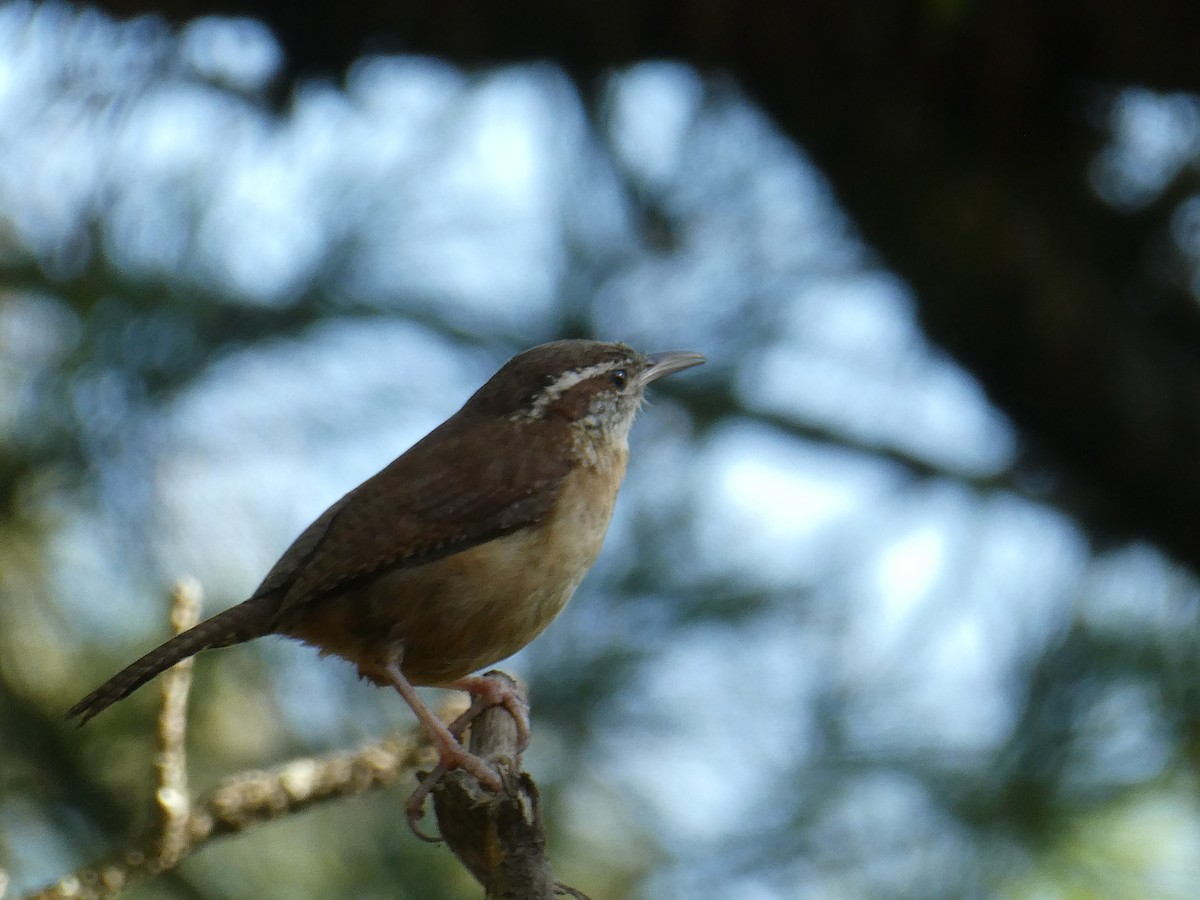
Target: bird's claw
414 808
487 692
479 768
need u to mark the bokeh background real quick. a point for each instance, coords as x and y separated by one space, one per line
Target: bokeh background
900 596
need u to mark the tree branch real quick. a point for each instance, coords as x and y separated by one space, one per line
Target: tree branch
239 802
499 836
246 799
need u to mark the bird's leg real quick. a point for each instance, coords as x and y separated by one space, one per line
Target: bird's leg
451 754
487 692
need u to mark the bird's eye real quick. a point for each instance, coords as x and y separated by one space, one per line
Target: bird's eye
619 378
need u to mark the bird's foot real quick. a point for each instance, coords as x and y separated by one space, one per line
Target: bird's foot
449 759
486 692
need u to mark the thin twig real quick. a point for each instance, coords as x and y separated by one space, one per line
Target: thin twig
249 799
238 802
254 797
171 796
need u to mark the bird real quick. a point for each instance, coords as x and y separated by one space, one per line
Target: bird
460 551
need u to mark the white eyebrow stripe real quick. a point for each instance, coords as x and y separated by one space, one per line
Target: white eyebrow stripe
568 380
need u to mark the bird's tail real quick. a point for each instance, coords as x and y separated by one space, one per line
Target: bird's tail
239 623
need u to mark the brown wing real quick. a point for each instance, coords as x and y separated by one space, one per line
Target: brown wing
456 488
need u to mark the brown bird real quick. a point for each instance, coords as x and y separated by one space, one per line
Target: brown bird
459 552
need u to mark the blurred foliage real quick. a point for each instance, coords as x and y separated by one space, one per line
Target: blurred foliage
899 598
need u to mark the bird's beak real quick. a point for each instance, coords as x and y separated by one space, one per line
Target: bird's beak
660 364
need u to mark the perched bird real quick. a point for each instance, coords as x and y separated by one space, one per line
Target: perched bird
459 552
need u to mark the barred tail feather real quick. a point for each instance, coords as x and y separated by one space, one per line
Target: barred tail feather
239 623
